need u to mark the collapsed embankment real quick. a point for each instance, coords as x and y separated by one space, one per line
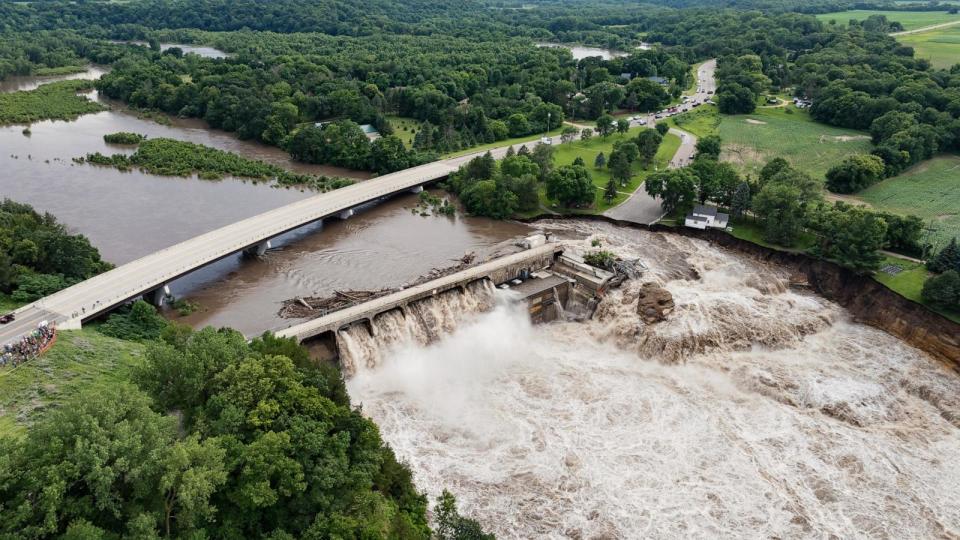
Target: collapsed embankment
867 300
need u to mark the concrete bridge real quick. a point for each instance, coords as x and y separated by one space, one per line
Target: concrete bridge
150 275
497 271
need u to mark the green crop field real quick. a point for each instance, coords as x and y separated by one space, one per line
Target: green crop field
79 360
751 140
909 19
940 46
930 190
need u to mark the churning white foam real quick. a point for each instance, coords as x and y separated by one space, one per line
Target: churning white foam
570 430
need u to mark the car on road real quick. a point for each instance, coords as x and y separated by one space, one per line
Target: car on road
8 318
658 116
642 121
546 140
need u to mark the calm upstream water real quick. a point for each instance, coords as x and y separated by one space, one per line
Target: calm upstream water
131 214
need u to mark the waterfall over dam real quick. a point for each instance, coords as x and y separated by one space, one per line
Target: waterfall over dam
750 408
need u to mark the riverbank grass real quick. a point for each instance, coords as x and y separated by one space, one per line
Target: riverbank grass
80 360
53 101
909 282
516 142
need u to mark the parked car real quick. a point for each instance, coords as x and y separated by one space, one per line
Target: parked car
8 318
546 140
643 121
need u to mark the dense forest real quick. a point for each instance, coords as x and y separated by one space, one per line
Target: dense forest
38 256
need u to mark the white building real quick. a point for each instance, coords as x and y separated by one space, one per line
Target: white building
706 216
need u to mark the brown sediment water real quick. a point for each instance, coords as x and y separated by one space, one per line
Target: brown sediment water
386 245
754 410
130 214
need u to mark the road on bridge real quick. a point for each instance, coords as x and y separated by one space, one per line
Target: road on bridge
101 293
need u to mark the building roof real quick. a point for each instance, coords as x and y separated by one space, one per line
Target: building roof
659 80
692 217
723 217
368 129
705 210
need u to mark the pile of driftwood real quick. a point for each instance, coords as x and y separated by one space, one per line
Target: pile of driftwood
301 308
312 307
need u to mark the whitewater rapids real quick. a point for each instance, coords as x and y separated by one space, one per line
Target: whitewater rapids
753 411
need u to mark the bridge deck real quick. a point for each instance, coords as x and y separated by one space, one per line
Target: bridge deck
368 310
105 291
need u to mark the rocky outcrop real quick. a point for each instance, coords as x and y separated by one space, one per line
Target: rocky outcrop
654 303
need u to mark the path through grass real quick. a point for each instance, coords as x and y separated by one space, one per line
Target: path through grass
909 19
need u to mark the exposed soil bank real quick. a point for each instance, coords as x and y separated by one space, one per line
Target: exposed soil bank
867 300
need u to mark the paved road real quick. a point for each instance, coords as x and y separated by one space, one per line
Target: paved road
925 28
101 293
642 208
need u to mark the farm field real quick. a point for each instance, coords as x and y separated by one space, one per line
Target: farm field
909 19
80 360
930 190
751 140
940 46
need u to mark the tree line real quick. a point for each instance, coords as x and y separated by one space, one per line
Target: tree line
38 257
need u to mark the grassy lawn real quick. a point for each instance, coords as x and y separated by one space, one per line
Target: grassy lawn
588 150
404 128
702 121
750 140
941 46
930 190
909 282
909 19
751 231
79 360
498 144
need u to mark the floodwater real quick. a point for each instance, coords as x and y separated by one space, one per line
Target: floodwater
206 52
580 52
31 82
385 245
130 214
753 411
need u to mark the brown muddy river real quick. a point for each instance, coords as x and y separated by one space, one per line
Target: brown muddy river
131 214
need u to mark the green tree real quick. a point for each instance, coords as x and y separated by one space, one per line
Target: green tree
779 208
387 154
605 125
709 146
740 203
586 134
943 291
854 173
543 156
851 236
610 191
490 198
570 185
623 126
662 128
518 125
648 143
568 134
676 189
733 98
600 161
947 259
620 167
451 525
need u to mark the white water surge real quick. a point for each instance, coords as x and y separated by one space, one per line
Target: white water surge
752 411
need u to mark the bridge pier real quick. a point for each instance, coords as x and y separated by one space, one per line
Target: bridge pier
158 295
258 250
417 189
346 214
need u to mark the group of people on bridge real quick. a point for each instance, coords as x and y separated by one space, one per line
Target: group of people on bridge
29 346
